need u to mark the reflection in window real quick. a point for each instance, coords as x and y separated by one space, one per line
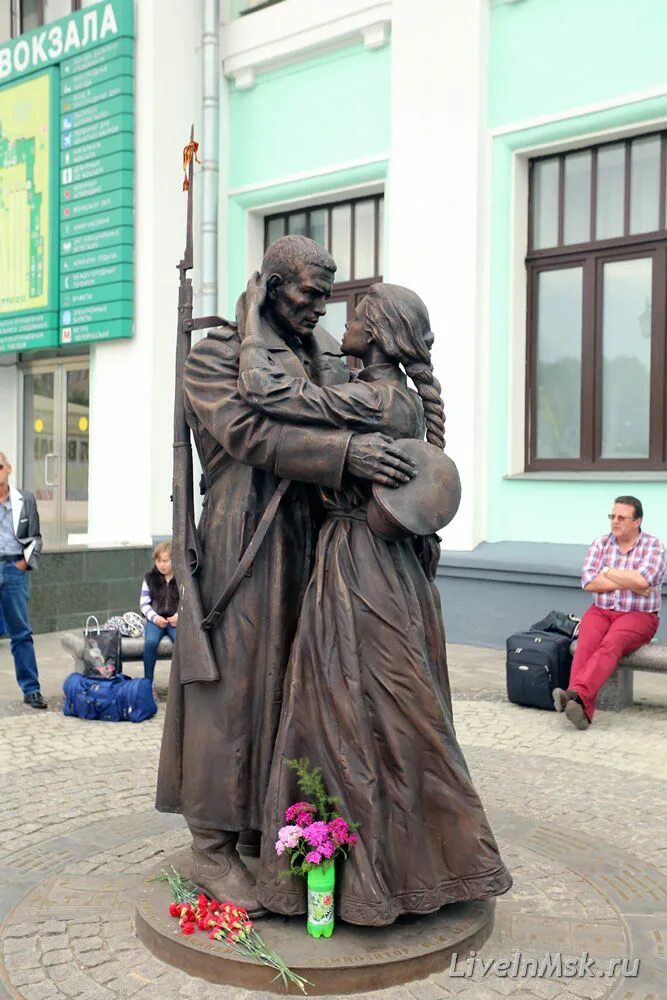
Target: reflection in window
645 185
545 203
559 298
341 241
32 14
5 22
610 191
275 229
38 431
364 239
76 471
53 9
626 358
577 194
319 227
296 224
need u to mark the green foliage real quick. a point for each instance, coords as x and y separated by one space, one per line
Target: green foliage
311 784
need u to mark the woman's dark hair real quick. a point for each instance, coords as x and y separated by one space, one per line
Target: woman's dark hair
398 322
634 503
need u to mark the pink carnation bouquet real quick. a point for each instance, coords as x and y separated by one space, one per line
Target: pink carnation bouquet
313 834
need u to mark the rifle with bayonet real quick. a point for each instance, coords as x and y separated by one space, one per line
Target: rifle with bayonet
196 660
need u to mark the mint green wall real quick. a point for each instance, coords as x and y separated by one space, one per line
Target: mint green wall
300 131
549 55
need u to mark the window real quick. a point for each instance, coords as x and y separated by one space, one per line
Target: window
352 232
19 16
597 308
6 31
250 6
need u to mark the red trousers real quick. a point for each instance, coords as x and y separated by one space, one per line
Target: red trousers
604 637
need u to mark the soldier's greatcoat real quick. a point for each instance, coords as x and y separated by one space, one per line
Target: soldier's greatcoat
219 736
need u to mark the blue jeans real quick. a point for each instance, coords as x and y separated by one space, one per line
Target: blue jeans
152 635
14 593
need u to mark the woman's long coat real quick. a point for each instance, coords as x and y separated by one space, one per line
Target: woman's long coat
219 736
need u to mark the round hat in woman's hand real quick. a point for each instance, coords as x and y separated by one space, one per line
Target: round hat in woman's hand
425 504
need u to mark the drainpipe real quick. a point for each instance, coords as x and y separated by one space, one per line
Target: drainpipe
209 157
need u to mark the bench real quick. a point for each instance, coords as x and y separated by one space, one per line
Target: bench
131 648
617 693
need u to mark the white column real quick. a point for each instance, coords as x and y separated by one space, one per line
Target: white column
132 382
436 208
9 431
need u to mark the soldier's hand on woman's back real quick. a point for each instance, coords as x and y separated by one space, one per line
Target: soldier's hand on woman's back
377 457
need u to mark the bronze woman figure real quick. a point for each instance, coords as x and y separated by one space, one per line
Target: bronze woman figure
366 695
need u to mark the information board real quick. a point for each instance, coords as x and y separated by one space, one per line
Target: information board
28 213
67 180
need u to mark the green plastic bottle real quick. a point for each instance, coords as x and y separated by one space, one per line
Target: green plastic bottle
321 882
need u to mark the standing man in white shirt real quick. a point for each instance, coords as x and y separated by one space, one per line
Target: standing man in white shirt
20 543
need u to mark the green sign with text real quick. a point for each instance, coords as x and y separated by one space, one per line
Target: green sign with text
105 91
106 220
67 180
117 254
109 274
97 293
89 332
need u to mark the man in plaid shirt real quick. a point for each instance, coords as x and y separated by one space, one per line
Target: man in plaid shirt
624 570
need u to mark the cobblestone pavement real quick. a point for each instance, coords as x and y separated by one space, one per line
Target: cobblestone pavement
580 818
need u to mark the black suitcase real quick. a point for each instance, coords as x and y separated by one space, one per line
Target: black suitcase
537 662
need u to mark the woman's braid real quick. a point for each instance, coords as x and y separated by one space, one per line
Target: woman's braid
429 390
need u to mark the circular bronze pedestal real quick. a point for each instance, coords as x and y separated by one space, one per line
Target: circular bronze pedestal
353 960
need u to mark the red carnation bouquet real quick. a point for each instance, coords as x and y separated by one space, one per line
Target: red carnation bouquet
224 922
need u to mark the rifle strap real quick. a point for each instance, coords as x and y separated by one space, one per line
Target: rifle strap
248 557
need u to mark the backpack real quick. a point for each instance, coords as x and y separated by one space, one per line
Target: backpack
113 699
560 622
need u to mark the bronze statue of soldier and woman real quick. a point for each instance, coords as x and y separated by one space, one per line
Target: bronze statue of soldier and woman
331 646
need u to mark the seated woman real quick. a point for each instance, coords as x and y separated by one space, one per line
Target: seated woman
159 605
366 694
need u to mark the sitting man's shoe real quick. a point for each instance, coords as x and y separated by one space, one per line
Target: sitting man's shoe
560 699
35 699
574 712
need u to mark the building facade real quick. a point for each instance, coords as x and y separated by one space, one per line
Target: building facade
505 158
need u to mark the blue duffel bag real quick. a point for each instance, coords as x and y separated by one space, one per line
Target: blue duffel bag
112 699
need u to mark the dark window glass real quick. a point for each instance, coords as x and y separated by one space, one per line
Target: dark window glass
32 14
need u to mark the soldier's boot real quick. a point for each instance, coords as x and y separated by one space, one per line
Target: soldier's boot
216 867
249 843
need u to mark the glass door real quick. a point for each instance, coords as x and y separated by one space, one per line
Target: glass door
40 458
55 448
74 474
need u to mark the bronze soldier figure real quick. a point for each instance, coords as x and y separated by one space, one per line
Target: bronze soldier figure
219 734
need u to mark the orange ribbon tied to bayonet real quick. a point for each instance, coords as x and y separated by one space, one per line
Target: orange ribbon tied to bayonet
189 154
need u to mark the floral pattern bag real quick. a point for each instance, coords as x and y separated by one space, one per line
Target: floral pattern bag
101 650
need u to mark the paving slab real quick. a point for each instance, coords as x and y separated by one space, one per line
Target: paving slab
580 818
